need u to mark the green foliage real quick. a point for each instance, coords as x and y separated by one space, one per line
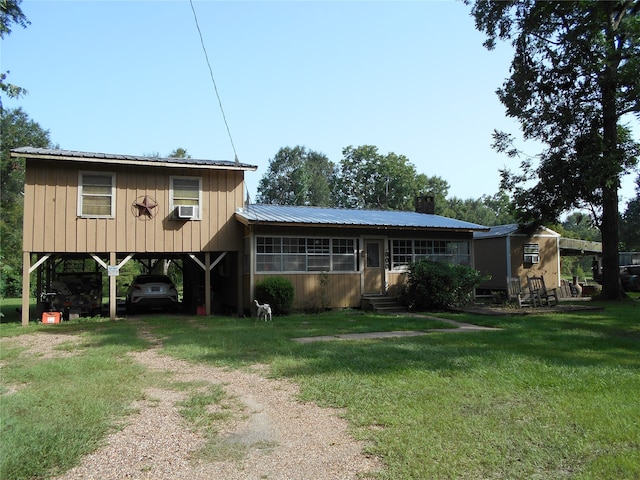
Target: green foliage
369 180
298 177
16 130
440 285
10 13
573 77
487 210
277 292
630 224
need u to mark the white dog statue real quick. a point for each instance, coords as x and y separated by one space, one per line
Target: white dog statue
264 311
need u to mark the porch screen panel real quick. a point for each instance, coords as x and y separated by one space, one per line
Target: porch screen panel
344 255
294 255
269 254
318 255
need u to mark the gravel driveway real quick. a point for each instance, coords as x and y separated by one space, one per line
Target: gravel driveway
280 437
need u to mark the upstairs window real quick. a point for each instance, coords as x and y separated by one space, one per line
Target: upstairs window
185 195
531 253
96 195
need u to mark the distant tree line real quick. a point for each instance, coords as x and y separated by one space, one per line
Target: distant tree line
366 179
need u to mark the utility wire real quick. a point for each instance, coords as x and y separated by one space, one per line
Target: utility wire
215 87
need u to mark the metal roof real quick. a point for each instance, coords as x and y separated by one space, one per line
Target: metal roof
320 216
511 229
71 155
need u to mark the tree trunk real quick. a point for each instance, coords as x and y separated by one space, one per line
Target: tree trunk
611 285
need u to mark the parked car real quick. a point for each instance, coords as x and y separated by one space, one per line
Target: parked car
630 278
148 292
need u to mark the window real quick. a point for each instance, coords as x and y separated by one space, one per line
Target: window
404 252
531 253
96 194
186 192
300 254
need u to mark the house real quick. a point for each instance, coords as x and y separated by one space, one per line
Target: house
363 252
115 208
510 251
110 209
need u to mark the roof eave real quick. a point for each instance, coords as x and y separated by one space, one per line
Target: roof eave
141 163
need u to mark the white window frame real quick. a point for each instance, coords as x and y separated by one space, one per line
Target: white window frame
173 204
308 253
531 253
440 250
81 194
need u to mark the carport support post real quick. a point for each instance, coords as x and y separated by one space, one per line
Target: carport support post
112 288
26 286
207 283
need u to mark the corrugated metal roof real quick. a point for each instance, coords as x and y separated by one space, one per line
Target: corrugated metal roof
511 229
498 231
52 154
280 214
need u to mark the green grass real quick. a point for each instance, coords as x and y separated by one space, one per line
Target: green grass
550 396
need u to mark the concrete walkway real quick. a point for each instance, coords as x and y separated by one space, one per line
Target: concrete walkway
459 327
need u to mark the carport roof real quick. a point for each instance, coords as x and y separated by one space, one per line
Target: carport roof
117 159
338 217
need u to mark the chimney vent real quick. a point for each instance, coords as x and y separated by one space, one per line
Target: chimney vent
425 204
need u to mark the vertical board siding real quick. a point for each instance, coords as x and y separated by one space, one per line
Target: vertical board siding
343 290
51 223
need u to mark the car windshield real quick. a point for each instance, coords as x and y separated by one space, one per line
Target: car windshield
153 279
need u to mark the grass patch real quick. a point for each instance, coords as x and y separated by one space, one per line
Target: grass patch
55 410
549 396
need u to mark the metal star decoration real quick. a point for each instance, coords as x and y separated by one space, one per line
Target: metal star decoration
145 206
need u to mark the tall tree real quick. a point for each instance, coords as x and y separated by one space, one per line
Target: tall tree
10 13
16 130
297 176
574 75
369 180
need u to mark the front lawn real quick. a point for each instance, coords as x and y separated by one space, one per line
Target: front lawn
547 396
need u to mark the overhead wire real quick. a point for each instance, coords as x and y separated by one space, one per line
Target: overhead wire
213 80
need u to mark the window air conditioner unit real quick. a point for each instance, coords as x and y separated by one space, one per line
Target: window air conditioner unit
187 211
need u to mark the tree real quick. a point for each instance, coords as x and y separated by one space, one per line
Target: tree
297 177
488 210
10 13
16 130
370 180
630 224
574 75
179 153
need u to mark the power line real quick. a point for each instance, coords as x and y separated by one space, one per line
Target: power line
215 87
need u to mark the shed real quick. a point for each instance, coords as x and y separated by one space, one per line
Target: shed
509 251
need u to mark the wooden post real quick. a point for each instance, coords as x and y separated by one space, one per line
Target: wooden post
26 286
207 283
112 288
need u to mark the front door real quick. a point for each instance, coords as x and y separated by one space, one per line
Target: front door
373 266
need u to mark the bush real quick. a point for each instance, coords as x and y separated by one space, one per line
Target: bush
440 285
277 292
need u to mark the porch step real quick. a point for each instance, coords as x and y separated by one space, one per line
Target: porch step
382 304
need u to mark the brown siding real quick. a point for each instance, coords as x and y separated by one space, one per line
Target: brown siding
548 265
51 223
490 258
343 289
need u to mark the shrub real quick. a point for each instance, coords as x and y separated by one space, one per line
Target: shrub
440 285
277 292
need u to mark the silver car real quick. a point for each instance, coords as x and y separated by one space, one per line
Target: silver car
148 292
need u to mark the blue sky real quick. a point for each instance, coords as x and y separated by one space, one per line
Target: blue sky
131 77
